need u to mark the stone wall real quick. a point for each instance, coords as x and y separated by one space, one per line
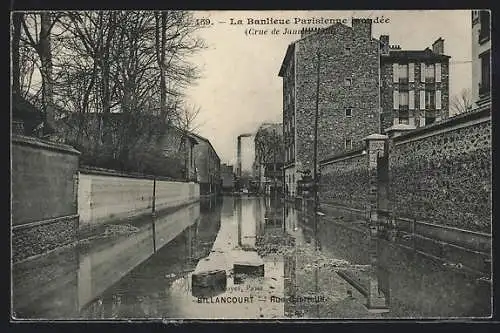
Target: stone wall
107 196
42 180
345 180
43 203
345 53
438 175
442 173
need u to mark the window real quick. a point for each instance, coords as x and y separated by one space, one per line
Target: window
403 73
429 73
430 99
484 85
404 117
411 72
484 29
403 99
348 51
348 82
348 144
348 112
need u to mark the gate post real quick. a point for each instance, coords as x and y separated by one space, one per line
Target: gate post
376 148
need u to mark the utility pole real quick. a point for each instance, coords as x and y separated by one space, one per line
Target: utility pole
315 158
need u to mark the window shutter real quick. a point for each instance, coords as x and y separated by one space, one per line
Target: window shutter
395 95
411 72
438 72
422 100
422 72
438 99
411 100
395 72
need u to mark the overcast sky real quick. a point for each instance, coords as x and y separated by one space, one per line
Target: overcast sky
240 87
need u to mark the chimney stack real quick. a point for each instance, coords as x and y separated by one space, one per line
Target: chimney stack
362 28
384 44
438 46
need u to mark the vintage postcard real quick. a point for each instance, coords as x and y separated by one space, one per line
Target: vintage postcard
251 165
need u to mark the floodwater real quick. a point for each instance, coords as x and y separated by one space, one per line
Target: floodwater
314 267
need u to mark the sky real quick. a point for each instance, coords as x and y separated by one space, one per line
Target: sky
240 87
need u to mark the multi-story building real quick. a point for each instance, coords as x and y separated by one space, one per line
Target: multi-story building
481 57
268 163
359 86
207 166
227 176
348 94
414 84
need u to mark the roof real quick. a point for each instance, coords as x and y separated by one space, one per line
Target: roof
291 48
426 54
207 141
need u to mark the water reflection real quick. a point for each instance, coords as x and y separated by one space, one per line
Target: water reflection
313 267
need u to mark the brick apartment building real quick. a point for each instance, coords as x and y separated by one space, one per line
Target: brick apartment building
481 57
414 85
348 94
365 87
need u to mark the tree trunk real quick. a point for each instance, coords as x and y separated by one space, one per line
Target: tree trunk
16 68
45 53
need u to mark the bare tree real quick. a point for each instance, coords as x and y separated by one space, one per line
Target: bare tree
40 41
461 102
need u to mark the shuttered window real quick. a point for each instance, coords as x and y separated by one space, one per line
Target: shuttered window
411 99
395 73
422 100
396 99
422 72
438 99
438 72
411 72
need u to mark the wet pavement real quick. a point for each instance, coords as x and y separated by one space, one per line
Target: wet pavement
313 267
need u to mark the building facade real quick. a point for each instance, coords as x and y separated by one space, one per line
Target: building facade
268 163
414 85
227 175
208 167
348 94
481 57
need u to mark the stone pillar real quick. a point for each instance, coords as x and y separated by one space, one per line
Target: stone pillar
375 147
400 129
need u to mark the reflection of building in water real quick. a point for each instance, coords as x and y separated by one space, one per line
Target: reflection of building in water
228 206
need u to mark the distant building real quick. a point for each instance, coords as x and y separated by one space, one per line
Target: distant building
227 175
208 167
481 57
269 156
414 85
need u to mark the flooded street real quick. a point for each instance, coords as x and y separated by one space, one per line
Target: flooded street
324 267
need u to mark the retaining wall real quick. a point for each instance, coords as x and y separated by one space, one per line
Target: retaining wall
43 203
107 196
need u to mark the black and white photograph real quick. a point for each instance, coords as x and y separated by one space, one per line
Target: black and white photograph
287 165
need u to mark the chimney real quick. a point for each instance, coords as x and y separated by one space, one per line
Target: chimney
384 44
438 46
362 28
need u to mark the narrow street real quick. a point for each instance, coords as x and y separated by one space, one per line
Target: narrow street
312 269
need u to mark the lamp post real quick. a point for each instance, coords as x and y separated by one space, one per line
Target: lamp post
315 152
